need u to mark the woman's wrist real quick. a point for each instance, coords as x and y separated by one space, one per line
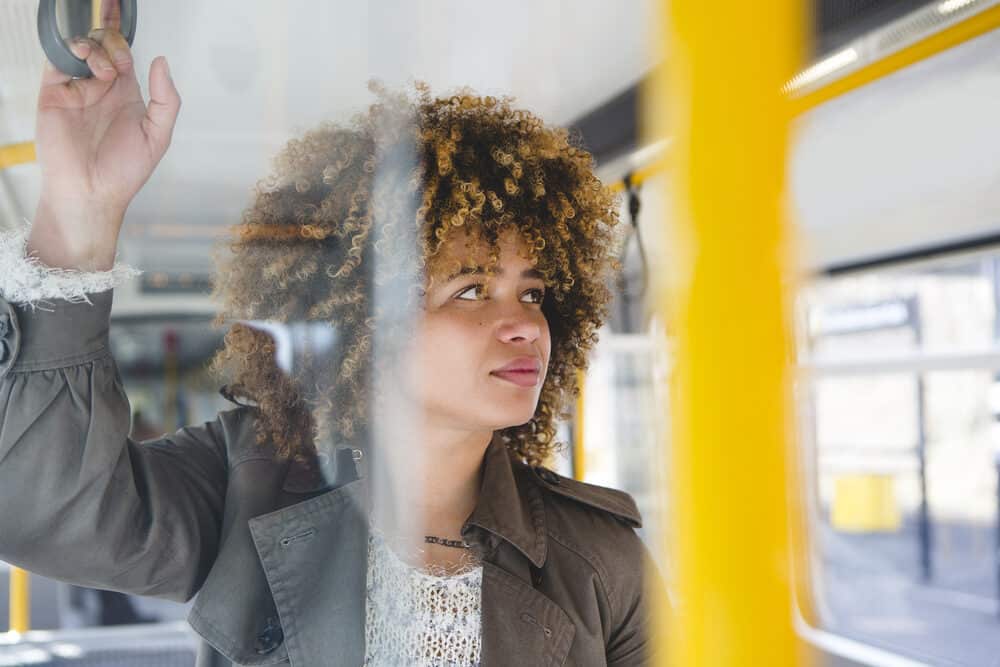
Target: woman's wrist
80 237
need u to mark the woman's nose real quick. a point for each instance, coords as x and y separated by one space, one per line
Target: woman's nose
520 325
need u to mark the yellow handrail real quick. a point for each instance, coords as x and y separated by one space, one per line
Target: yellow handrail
16 154
20 600
730 405
641 174
955 34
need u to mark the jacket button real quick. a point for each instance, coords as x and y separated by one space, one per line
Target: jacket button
270 637
547 475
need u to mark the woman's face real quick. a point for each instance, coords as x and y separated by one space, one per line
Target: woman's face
463 339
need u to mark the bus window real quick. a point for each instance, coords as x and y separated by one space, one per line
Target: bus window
900 405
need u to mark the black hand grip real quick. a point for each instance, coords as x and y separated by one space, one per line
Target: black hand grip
55 47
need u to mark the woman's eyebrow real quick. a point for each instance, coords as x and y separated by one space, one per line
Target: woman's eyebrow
476 270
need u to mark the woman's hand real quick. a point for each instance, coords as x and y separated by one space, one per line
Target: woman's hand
97 143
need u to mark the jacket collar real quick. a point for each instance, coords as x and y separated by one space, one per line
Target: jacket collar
510 505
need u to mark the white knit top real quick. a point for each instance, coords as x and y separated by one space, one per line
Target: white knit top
412 618
420 619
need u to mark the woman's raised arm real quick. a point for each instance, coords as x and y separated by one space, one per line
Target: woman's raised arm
97 143
80 501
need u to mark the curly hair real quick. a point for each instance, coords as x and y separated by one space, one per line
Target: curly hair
351 213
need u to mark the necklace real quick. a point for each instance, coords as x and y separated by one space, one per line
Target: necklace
428 539
407 555
458 544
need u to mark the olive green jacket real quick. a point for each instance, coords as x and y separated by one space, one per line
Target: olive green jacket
275 551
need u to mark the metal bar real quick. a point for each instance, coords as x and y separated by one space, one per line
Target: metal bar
616 343
924 532
991 266
106 640
728 307
807 572
916 362
996 462
855 651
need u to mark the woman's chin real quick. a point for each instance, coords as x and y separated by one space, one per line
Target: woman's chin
514 418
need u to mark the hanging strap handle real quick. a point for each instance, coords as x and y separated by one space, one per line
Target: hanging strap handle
55 47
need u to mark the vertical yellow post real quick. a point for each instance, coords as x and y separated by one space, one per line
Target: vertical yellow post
20 600
579 462
726 305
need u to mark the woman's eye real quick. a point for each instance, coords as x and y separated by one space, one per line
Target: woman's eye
477 287
539 294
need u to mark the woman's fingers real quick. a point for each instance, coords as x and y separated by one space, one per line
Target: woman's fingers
61 90
84 48
116 47
105 51
164 105
98 59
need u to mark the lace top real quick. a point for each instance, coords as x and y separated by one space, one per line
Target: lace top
418 619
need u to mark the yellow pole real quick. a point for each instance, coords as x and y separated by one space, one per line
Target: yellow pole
20 600
579 463
725 301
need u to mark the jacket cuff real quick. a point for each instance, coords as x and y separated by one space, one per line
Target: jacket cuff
69 334
25 279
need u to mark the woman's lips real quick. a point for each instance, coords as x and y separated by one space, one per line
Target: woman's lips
520 378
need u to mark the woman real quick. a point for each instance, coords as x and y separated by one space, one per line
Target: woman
383 503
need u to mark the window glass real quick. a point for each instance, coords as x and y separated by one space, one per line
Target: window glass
898 399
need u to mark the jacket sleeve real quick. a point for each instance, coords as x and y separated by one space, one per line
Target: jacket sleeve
79 500
632 641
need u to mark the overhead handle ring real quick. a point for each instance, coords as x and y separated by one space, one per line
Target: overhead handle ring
56 49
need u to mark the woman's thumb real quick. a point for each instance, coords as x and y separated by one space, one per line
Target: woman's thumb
164 104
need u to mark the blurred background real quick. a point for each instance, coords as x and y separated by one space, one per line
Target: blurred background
893 198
